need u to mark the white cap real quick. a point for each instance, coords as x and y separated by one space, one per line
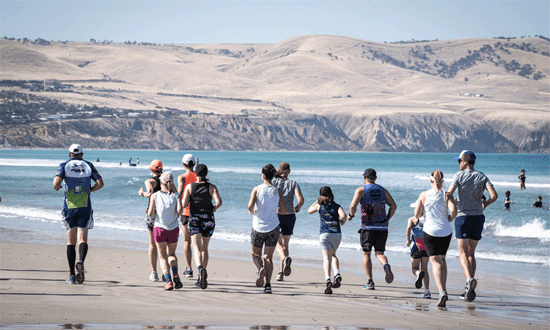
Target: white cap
188 158
75 149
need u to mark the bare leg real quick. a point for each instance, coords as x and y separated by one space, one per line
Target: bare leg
424 263
439 268
204 253
257 257
187 255
196 241
327 256
153 253
162 248
335 261
466 250
415 266
268 262
282 249
381 257
367 265
171 253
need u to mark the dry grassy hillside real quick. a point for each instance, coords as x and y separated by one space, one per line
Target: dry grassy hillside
391 97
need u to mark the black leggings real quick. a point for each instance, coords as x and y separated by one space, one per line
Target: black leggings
437 246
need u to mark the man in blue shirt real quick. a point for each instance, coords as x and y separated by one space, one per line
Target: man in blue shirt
374 223
77 206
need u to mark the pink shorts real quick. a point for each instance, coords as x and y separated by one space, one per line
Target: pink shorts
168 236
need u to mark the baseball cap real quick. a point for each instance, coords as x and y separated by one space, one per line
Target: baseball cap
201 170
75 149
188 158
471 155
369 173
156 165
166 176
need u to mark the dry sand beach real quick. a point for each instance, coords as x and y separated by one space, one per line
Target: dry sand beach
117 294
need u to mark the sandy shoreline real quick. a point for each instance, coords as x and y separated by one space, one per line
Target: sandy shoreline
116 292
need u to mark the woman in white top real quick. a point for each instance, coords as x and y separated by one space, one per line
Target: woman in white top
437 229
167 205
265 225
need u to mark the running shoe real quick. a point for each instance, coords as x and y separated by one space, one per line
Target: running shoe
286 262
267 289
177 282
280 277
463 295
169 286
328 289
198 282
471 285
260 280
71 279
442 299
188 273
154 277
79 277
203 277
369 286
337 281
427 295
419 277
389 274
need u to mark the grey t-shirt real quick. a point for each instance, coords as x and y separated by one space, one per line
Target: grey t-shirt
288 187
470 185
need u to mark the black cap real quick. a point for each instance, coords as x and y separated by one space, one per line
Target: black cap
369 174
201 170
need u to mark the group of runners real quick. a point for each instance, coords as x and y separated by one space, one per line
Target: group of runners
191 204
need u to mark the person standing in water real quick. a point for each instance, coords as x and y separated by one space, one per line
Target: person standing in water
507 200
152 185
374 223
77 174
185 179
332 216
266 201
166 204
198 195
290 188
521 178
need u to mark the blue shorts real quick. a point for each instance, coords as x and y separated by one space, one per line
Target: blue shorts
203 224
469 226
287 223
80 217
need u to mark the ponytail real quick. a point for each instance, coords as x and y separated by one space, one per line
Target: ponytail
437 177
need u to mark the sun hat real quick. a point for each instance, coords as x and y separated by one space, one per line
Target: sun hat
471 155
156 165
188 158
166 176
75 149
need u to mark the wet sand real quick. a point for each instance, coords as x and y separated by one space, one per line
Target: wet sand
117 294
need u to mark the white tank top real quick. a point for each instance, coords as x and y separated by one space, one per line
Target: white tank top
166 206
436 212
265 217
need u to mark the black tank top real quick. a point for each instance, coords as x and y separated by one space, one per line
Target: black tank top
157 180
201 200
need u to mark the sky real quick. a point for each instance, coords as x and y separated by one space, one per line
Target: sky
238 21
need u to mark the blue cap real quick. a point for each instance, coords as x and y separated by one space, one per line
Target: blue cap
471 155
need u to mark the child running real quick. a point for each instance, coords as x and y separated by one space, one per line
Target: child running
167 205
198 195
265 225
332 215
419 256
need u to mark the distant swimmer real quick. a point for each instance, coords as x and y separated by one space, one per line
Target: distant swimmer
137 161
130 162
77 174
521 178
198 196
97 159
166 205
152 185
538 203
332 216
507 200
470 185
374 223
265 202
439 211
290 188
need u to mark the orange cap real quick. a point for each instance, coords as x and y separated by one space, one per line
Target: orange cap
156 165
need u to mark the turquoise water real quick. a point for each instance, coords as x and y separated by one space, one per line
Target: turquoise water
520 236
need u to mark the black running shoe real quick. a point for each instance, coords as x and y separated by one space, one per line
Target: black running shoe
418 283
337 281
328 289
177 282
79 277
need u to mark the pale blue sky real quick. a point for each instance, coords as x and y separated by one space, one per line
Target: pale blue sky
202 22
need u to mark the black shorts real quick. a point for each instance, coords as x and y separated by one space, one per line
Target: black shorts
287 222
419 254
202 224
270 238
373 238
150 222
184 219
437 246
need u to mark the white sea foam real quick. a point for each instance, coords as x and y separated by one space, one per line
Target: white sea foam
532 229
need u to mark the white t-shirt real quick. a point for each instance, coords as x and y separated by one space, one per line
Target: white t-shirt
267 201
166 207
436 212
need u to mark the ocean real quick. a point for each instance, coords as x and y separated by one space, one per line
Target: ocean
515 242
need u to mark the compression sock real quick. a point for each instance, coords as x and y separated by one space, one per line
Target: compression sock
167 278
175 270
83 251
71 257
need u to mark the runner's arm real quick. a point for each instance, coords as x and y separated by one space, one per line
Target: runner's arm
149 186
493 196
410 223
313 208
214 192
252 201
186 196
57 183
301 200
282 206
179 209
343 215
450 192
152 208
391 203
359 192
181 184
98 185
